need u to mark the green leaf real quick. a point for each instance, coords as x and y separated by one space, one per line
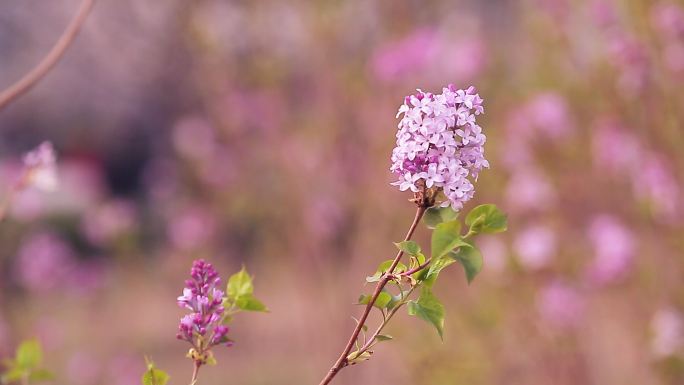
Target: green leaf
383 337
154 376
471 260
239 284
354 357
486 219
13 374
382 269
445 238
41 375
436 215
29 354
435 268
409 247
428 308
383 300
249 303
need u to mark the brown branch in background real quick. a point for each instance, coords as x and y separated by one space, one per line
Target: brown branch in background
31 78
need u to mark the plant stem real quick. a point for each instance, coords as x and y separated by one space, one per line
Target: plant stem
32 77
342 360
195 372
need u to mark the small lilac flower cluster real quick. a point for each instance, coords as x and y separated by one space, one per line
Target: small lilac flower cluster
203 327
439 144
41 167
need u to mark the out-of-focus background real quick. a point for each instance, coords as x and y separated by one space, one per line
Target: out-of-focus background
259 133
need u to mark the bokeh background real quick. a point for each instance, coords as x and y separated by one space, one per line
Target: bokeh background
259 133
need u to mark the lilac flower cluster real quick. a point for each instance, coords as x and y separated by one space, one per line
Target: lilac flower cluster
41 166
439 144
202 327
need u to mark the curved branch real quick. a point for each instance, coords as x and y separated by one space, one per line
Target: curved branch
31 78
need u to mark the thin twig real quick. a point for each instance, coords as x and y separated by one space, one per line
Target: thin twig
342 360
32 77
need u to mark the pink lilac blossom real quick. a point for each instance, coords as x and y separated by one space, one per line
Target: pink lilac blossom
667 327
529 189
656 184
41 167
44 261
204 299
548 113
614 249
109 221
560 305
614 148
535 247
439 144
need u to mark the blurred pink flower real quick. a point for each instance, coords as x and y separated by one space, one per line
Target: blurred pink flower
43 261
656 184
41 167
410 54
535 246
560 305
668 18
83 369
548 113
428 51
191 228
614 149
603 12
194 138
529 189
667 327
494 252
125 370
108 221
630 57
614 249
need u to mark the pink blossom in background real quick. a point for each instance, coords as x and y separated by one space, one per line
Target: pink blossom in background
460 58
667 17
615 149
603 13
108 221
667 327
560 305
81 187
535 246
83 369
44 261
613 247
408 55
494 252
124 369
41 167
194 138
630 57
191 228
656 184
549 114
323 216
86 277
529 190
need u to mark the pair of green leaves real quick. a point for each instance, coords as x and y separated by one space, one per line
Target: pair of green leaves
154 376
240 292
447 247
26 364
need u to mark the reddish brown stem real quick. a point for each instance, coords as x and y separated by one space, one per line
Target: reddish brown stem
342 360
32 77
